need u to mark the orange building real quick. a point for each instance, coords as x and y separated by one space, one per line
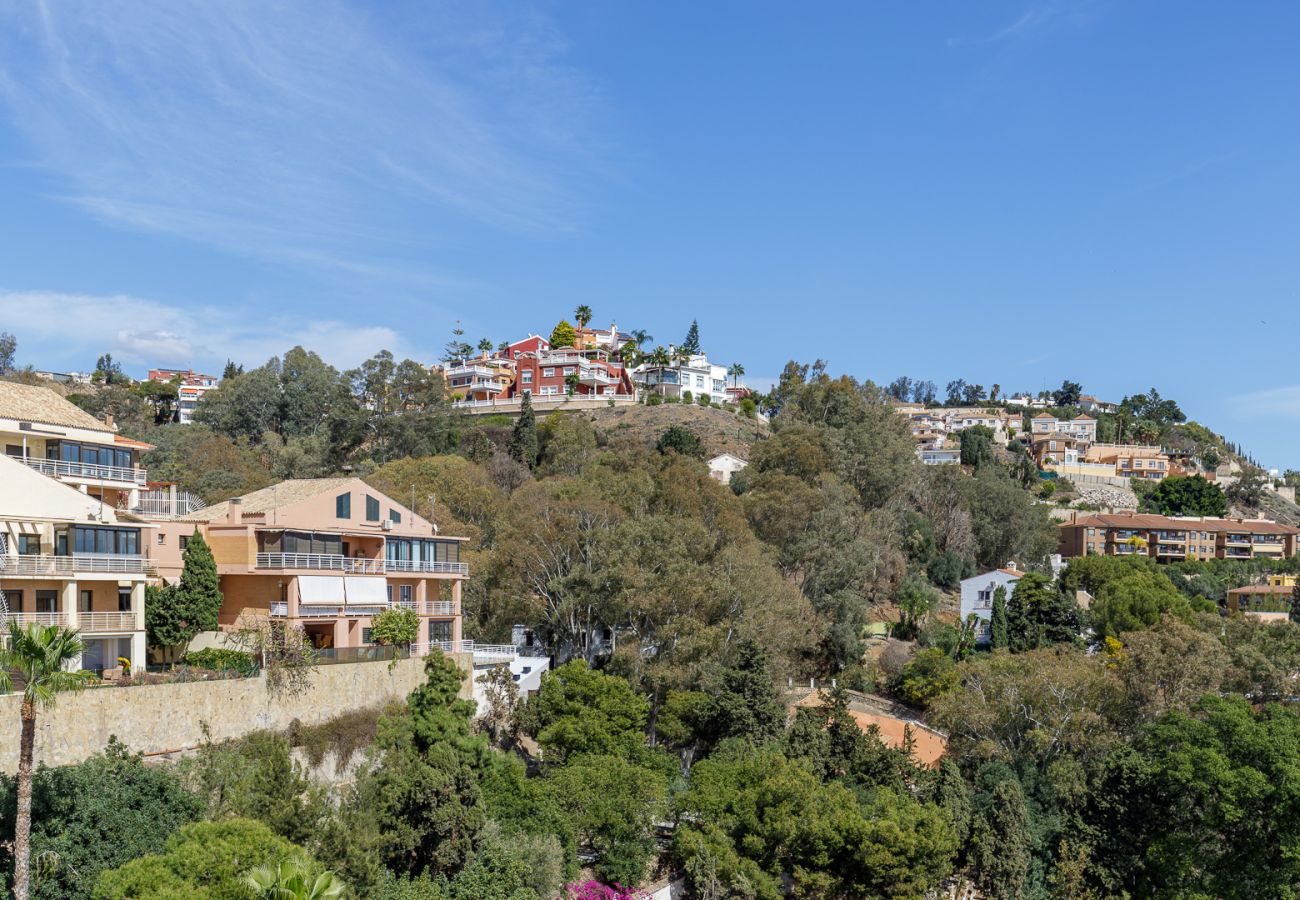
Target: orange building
1176 538
327 554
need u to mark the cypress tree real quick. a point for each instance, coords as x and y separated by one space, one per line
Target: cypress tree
692 342
523 444
999 635
1002 842
200 587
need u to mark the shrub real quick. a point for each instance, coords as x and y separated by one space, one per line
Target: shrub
653 400
688 397
680 439
218 659
704 400
926 676
748 408
396 627
347 735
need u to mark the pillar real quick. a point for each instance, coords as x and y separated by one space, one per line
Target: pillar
341 633
68 603
291 597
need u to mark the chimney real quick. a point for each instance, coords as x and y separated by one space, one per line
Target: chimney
234 508
108 420
1011 564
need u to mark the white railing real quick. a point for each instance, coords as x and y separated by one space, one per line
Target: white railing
106 621
62 468
17 564
161 505
431 607
431 566
24 619
512 403
460 371
356 565
480 651
280 609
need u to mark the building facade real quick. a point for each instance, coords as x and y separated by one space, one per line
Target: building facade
1176 538
694 374
67 559
190 388
326 554
47 433
1082 428
724 465
977 596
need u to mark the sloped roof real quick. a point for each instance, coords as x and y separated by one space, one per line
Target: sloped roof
1148 521
32 403
277 496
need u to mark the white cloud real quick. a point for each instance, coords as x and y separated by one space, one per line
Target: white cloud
307 130
1281 401
1039 17
57 330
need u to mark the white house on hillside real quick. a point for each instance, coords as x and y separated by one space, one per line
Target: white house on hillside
977 596
696 374
722 467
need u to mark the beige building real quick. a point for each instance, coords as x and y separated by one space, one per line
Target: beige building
68 559
57 438
1176 538
327 554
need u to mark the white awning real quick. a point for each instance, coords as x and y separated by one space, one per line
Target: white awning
324 590
367 590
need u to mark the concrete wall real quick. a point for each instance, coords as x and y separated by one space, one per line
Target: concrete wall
170 717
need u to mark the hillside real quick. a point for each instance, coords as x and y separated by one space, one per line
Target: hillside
721 430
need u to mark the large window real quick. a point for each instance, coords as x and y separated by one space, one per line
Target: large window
88 454
343 506
415 550
107 541
29 544
439 632
395 516
47 601
372 509
299 542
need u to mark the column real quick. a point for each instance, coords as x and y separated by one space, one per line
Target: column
291 597
68 604
456 631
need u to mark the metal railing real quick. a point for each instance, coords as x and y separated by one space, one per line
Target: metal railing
17 564
480 651
161 505
512 403
431 607
106 621
357 565
62 468
40 618
280 609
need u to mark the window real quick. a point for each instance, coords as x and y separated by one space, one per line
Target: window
367 635
372 509
395 516
86 602
124 599
548 373
526 376
390 593
439 632
47 601
106 541
184 541
29 545
568 370
15 600
699 381
343 506
162 539
405 591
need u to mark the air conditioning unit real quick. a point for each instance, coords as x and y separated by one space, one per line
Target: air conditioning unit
388 524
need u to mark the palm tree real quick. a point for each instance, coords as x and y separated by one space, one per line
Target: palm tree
39 655
735 372
583 315
292 879
642 337
659 357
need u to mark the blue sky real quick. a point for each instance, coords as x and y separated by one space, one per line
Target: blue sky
1008 192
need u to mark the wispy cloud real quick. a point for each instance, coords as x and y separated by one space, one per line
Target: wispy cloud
302 130
1039 17
1273 402
70 327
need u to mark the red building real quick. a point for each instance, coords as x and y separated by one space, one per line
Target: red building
546 372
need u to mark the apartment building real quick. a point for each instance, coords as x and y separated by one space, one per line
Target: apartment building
327 554
44 431
1176 538
611 340
67 559
1269 601
190 388
561 371
1133 460
1083 428
480 378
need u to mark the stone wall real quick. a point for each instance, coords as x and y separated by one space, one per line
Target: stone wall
167 718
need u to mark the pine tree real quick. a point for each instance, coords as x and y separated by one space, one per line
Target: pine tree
1294 612
231 370
998 630
523 444
1001 842
692 342
200 586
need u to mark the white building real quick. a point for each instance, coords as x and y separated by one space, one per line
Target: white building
66 559
696 374
1083 428
723 466
977 596
190 388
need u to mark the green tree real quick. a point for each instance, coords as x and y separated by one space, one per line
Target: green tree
94 816
1001 841
691 343
174 614
39 656
999 625
578 709
1039 614
583 316
292 879
231 370
8 347
524 445
1068 394
976 446
746 703
1136 601
396 627
925 677
563 335
1185 496
680 439
202 860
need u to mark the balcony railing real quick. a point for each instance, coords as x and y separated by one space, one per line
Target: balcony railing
63 469
46 618
431 607
106 621
280 609
357 565
71 565
501 652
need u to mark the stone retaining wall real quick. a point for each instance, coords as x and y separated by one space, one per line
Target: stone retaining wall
168 718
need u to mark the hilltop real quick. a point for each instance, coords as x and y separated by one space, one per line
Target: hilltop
720 430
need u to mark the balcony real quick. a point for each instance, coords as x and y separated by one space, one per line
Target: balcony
357 565
1170 550
482 652
99 622
58 468
462 371
431 607
40 618
67 566
280 609
1238 540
